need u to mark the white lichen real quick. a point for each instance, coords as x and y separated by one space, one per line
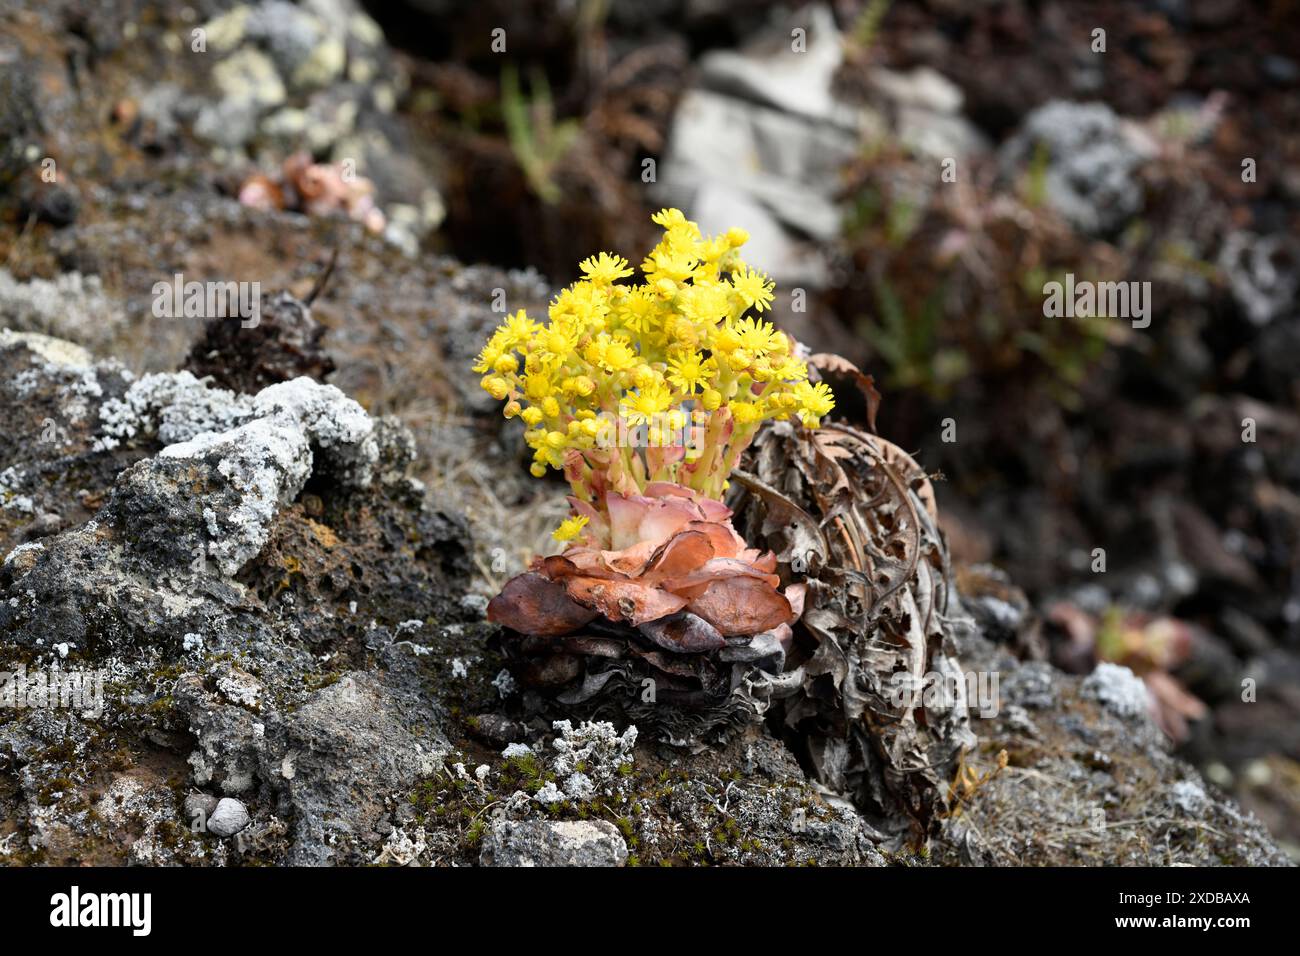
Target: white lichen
265 447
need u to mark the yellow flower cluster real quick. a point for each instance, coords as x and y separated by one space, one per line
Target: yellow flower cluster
672 352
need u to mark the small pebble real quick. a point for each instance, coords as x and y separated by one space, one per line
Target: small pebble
229 817
199 806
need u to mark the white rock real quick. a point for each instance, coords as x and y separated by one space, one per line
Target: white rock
229 817
1117 689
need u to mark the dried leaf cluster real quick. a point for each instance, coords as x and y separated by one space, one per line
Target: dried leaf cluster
855 517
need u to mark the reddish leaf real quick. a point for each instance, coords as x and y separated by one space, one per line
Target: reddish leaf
532 604
742 605
719 569
624 600
682 554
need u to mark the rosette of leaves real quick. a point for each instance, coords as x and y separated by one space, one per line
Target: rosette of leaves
679 626
854 518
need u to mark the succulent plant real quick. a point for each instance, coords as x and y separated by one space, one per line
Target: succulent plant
659 610
646 395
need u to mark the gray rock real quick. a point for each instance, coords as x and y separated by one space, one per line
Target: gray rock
228 818
1264 274
553 843
260 450
1083 732
290 34
1092 162
326 752
199 807
70 306
1032 685
339 755
771 72
926 110
761 141
1117 689
731 161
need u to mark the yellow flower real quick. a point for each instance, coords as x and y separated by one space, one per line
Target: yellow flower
755 335
617 356
666 264
740 359
783 402
605 269
487 359
496 386
581 385
723 340
537 387
570 528
643 376
583 303
690 370
754 288
638 311
517 329
644 404
704 303
668 218
814 402
679 341
790 370
559 337
746 413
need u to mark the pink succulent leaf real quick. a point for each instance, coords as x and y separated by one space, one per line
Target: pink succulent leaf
683 553
625 514
742 605
664 517
718 569
726 543
795 594
532 604
624 600
630 561
576 562
669 489
714 510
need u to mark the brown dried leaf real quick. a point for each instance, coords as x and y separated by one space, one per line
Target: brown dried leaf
834 366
